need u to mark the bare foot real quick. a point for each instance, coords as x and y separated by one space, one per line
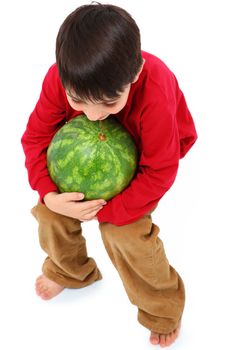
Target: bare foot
165 339
46 288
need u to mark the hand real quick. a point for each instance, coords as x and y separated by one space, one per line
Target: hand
69 204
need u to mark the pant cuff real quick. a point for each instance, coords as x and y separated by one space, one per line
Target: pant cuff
157 325
71 282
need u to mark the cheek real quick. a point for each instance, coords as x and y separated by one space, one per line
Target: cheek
118 108
75 106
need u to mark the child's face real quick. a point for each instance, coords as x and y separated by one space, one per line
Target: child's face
99 110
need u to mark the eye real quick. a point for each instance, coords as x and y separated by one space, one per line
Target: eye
76 101
110 104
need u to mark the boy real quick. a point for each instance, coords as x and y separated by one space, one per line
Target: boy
101 70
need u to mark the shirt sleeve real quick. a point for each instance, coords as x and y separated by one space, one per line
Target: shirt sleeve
187 130
48 116
158 165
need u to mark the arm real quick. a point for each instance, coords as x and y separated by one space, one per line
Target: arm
48 116
158 164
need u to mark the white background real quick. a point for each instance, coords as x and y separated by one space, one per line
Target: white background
194 38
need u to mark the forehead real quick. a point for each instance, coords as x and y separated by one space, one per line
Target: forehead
105 99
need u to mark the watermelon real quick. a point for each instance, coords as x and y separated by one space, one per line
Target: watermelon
97 158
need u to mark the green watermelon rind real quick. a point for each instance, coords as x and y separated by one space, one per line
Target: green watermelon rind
106 167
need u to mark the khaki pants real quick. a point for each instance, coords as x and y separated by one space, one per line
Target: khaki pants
135 250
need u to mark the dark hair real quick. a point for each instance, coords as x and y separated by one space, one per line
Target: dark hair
98 51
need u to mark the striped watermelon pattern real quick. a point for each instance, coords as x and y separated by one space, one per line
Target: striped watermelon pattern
98 158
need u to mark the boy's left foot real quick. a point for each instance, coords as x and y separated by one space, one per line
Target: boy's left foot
165 339
46 288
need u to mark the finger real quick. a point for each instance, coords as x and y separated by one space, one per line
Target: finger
73 196
90 215
91 205
91 210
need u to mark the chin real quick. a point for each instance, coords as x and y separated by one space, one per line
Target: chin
104 117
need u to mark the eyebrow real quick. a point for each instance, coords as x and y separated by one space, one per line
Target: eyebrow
103 101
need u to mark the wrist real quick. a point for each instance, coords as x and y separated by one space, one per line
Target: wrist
48 197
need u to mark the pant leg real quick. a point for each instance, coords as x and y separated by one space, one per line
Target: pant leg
61 238
150 282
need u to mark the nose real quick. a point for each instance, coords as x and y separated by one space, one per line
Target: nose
93 116
95 112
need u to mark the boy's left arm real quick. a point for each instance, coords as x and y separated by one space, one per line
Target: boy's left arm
161 148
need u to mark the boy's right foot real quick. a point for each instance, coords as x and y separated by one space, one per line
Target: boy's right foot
165 339
46 288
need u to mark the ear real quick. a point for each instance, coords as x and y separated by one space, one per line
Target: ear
139 72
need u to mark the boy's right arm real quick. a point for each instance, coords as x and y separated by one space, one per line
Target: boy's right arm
48 116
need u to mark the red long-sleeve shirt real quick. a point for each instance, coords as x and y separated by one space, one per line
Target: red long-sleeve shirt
157 117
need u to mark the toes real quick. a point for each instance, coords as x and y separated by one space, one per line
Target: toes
154 338
46 288
177 331
39 283
165 339
40 278
169 339
162 342
40 288
41 292
44 293
45 296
